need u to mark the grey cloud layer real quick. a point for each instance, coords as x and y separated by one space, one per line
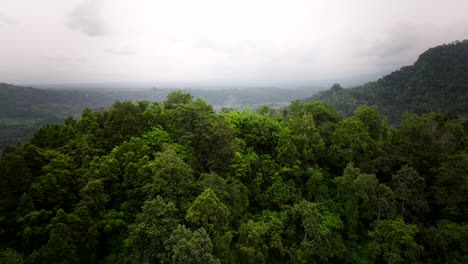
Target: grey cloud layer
260 42
120 52
6 20
87 19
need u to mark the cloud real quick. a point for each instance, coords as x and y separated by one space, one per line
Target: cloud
120 52
400 40
87 19
205 42
6 20
64 59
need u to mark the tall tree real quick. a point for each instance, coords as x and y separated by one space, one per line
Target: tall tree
209 212
185 246
151 228
393 241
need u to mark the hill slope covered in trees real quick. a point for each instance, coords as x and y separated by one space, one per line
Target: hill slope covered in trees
24 109
175 182
437 82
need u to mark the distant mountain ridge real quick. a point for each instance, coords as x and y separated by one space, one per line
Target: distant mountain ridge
24 109
436 82
18 101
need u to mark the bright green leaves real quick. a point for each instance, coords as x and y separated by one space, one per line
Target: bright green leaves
270 189
177 98
352 143
393 241
300 144
374 122
257 131
172 177
156 138
208 212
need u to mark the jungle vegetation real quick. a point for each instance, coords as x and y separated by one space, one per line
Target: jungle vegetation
177 182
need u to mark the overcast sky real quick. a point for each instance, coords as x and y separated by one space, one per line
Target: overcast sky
245 42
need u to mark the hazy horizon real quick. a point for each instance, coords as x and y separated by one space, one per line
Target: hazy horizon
220 43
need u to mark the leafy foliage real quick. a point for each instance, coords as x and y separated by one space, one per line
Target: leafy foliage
437 82
179 183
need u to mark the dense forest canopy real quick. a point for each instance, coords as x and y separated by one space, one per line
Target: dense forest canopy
437 82
176 182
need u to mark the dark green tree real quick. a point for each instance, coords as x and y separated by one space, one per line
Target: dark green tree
209 212
185 246
151 228
393 241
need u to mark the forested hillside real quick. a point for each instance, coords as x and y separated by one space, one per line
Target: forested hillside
437 82
24 109
176 182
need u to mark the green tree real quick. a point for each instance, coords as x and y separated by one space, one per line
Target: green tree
252 245
371 118
451 187
15 179
393 241
176 98
316 187
208 212
185 246
56 188
446 242
62 246
279 193
417 145
408 187
122 121
11 256
351 142
257 131
151 228
172 178
210 137
321 239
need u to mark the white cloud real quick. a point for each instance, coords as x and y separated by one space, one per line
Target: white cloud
125 51
243 41
87 19
6 20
